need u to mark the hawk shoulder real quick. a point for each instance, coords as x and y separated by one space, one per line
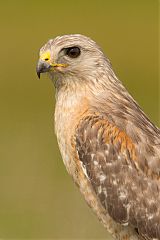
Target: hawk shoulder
112 165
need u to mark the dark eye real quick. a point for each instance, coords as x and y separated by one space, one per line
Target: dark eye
73 52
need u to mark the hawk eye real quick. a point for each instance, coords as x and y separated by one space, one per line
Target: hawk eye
73 52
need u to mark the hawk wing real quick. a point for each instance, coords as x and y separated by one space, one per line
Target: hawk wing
129 195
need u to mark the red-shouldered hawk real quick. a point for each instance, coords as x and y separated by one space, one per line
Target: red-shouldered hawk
108 145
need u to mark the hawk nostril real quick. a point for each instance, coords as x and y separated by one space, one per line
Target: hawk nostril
46 59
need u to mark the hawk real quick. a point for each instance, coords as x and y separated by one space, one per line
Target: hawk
108 145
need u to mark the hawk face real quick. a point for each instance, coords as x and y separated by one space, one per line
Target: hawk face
70 57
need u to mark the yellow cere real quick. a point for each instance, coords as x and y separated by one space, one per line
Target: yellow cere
45 56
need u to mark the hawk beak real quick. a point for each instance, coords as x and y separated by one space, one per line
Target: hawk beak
42 67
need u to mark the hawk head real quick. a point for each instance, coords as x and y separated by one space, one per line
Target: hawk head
72 58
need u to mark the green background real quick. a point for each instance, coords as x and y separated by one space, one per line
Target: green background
37 197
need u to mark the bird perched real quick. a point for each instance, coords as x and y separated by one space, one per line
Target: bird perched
108 145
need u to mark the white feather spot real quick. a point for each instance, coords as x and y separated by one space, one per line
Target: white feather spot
150 216
104 191
106 152
125 224
84 170
99 189
102 178
114 182
122 195
95 163
92 156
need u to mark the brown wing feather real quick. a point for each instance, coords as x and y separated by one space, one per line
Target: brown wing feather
124 189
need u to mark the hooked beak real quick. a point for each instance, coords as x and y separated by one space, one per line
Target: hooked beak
42 67
45 66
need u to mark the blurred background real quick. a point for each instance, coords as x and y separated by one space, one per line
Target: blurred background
38 199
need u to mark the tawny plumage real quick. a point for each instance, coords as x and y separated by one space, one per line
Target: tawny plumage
108 145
